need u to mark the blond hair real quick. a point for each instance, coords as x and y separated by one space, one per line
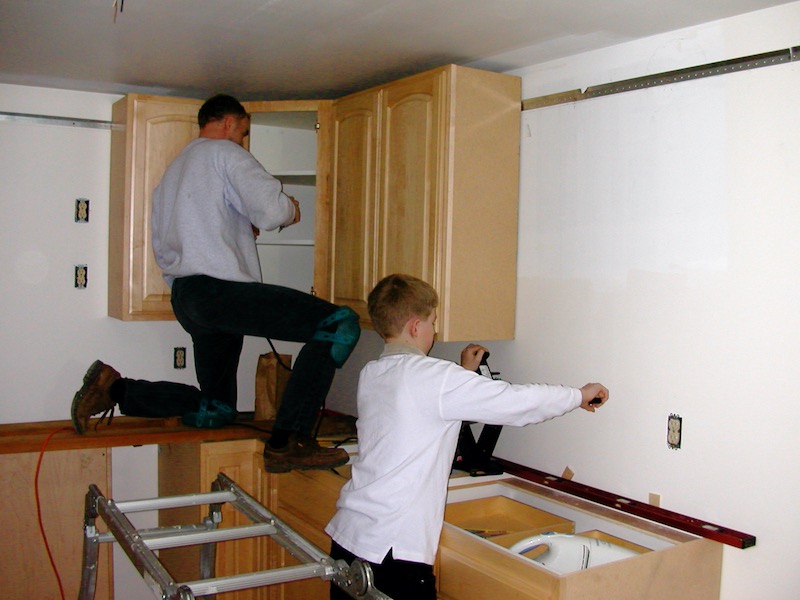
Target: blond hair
396 299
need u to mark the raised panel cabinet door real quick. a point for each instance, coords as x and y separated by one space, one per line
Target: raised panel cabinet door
241 461
354 165
152 132
410 174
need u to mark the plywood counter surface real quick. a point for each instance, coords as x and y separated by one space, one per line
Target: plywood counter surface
123 431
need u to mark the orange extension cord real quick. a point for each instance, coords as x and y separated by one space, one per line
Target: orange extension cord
39 508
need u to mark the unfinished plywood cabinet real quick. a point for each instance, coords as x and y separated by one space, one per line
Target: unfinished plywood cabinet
26 570
425 181
475 562
484 517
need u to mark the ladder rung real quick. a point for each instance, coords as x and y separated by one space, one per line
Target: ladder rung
176 538
174 501
274 576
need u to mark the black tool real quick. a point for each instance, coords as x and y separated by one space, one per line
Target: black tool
476 457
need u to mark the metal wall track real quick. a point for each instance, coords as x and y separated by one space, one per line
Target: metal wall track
50 120
735 65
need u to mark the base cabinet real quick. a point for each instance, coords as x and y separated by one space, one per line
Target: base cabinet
305 500
475 562
482 521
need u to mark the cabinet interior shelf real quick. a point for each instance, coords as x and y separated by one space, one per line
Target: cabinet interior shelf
285 243
297 177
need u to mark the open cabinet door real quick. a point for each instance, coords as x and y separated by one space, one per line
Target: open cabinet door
291 138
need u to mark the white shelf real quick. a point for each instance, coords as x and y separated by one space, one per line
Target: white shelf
285 243
296 177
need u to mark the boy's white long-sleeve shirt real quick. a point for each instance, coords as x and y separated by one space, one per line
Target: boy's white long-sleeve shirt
203 209
410 409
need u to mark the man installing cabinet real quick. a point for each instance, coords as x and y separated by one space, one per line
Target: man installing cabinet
211 202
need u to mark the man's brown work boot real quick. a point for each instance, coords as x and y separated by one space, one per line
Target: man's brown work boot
302 453
93 398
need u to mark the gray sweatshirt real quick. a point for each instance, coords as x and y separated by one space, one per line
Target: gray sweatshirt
203 209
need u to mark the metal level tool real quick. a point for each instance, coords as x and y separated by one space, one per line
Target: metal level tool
139 545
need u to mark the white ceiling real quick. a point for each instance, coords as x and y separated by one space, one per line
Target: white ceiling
287 49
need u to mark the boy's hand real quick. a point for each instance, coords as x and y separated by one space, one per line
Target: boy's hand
593 395
471 356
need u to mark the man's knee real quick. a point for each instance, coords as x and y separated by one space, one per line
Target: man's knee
342 330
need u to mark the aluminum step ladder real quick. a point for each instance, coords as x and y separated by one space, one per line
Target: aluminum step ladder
355 579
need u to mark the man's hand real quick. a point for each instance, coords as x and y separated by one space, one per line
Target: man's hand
296 210
296 214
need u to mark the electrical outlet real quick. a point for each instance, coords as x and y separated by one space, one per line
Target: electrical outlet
81 210
179 358
674 431
81 276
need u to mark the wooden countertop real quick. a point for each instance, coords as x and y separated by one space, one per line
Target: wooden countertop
123 431
137 431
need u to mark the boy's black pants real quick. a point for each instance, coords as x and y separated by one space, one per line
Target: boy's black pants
398 579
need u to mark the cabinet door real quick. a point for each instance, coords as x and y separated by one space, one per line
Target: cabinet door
410 175
291 139
306 501
241 461
153 132
352 238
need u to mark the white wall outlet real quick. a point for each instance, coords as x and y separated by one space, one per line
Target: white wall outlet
179 358
81 210
674 431
81 276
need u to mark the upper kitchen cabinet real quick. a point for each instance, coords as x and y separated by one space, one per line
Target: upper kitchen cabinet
426 182
149 132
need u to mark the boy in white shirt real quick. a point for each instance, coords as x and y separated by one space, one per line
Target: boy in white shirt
410 410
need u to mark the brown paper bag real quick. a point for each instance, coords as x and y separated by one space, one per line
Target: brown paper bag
271 380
